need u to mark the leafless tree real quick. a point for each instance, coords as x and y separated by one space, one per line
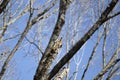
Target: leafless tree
55 31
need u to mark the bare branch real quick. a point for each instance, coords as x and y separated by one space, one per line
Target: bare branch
13 20
30 23
3 5
104 44
103 47
113 73
15 48
114 15
12 37
91 56
87 36
42 13
61 74
111 63
1 28
34 45
49 56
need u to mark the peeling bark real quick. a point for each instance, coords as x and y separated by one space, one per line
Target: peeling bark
48 57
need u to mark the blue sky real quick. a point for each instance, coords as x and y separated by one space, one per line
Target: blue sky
26 58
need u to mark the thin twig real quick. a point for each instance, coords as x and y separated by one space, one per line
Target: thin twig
34 45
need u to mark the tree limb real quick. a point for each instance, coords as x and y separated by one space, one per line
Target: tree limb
30 23
61 74
91 56
3 5
111 63
34 45
15 48
87 36
109 17
49 56
113 73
